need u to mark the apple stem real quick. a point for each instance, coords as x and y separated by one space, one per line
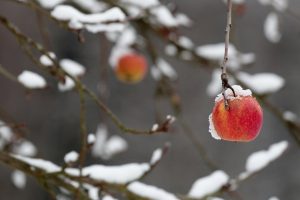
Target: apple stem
224 77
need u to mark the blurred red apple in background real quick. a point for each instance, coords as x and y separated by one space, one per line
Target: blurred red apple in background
131 68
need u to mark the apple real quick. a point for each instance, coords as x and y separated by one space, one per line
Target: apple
131 68
241 121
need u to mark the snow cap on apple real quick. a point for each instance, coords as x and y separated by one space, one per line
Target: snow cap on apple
241 121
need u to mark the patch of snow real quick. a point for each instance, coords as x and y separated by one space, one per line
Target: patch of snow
212 129
239 91
290 116
142 4
91 138
156 156
32 80
216 52
121 174
260 159
108 197
18 179
45 165
185 42
92 6
72 67
273 198
71 157
154 127
69 84
171 50
164 16
182 19
150 192
262 83
105 147
50 4
46 61
166 69
25 148
271 28
209 184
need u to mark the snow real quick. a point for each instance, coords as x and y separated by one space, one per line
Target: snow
67 13
290 116
25 148
93 192
154 127
72 67
273 198
216 52
96 28
185 42
171 119
50 4
105 147
150 192
156 73
69 84
271 28
121 174
114 145
18 179
209 184
117 52
32 80
91 139
108 197
279 5
166 69
183 19
262 83
212 129
164 16
92 6
260 159
71 157
156 156
171 50
45 165
142 4
124 41
239 91
235 1
186 55
46 61
215 85
95 22
6 134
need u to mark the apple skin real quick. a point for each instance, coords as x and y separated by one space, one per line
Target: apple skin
131 68
241 122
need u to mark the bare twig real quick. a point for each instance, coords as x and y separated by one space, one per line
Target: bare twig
224 78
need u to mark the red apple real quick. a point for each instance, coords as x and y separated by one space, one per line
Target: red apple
131 68
242 120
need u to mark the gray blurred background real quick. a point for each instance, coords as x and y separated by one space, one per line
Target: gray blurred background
52 117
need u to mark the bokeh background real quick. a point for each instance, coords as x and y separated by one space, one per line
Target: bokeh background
52 117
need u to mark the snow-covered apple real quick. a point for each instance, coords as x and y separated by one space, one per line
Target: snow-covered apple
241 121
